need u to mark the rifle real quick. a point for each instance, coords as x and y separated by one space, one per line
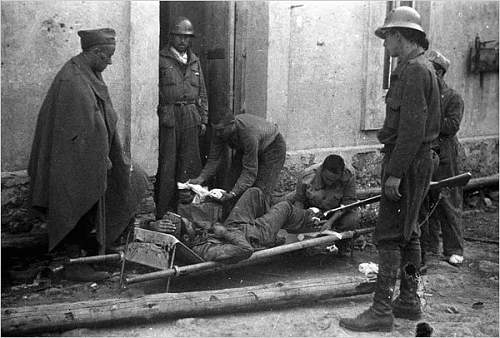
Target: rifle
454 181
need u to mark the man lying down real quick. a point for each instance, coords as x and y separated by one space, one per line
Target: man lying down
251 225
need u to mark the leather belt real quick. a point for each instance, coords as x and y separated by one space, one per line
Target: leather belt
388 148
182 103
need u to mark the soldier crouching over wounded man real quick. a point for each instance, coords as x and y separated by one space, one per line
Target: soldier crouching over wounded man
251 225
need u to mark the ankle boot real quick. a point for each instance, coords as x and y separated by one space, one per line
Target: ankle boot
407 304
379 316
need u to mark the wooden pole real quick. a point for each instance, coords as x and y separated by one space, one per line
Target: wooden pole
98 313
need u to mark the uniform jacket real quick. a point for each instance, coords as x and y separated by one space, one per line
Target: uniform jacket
182 83
412 112
77 156
452 111
312 192
252 136
412 122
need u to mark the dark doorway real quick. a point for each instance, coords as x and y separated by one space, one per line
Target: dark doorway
214 44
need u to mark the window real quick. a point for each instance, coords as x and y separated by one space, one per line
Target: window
391 63
377 65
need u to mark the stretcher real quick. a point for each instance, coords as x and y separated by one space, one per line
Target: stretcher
162 251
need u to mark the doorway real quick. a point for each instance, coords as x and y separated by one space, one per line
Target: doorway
213 23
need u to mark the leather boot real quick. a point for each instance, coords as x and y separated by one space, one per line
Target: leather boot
379 316
407 304
80 272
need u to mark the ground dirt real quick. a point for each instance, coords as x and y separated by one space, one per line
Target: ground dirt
457 301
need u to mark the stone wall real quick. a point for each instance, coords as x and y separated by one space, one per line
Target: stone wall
479 157
38 37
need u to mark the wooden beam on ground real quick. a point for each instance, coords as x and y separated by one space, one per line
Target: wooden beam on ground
98 313
482 182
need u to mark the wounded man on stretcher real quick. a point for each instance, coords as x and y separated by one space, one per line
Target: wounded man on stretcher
251 225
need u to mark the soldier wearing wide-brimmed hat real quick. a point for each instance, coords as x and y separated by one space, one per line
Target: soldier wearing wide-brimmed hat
411 125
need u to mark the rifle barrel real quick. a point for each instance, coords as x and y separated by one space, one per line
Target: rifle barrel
458 180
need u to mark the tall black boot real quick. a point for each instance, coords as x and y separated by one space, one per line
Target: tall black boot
407 304
379 316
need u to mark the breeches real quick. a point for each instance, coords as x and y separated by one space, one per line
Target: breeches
398 221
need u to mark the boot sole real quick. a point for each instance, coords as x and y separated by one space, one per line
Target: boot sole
367 329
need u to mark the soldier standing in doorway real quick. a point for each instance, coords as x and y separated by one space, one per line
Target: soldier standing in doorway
449 208
183 116
411 125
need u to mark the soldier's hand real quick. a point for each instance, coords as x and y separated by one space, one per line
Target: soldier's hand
109 164
163 225
198 180
203 129
391 188
325 226
226 196
315 211
219 230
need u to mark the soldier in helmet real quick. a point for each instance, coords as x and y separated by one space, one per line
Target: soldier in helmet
183 115
448 211
411 125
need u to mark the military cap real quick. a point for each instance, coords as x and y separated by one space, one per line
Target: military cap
94 37
439 59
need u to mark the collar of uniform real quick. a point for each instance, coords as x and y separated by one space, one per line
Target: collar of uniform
317 182
443 86
183 58
93 78
404 61
166 52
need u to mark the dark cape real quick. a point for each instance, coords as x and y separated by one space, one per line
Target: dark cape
75 144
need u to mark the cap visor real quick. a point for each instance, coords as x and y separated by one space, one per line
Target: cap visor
381 32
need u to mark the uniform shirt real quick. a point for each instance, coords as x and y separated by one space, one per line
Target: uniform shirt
412 111
252 136
183 83
313 192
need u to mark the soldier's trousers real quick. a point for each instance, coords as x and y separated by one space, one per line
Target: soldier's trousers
397 223
251 225
447 216
178 161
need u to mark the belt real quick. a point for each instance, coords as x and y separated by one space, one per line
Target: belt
183 103
388 148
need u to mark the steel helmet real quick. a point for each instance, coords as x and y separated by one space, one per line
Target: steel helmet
403 17
182 26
